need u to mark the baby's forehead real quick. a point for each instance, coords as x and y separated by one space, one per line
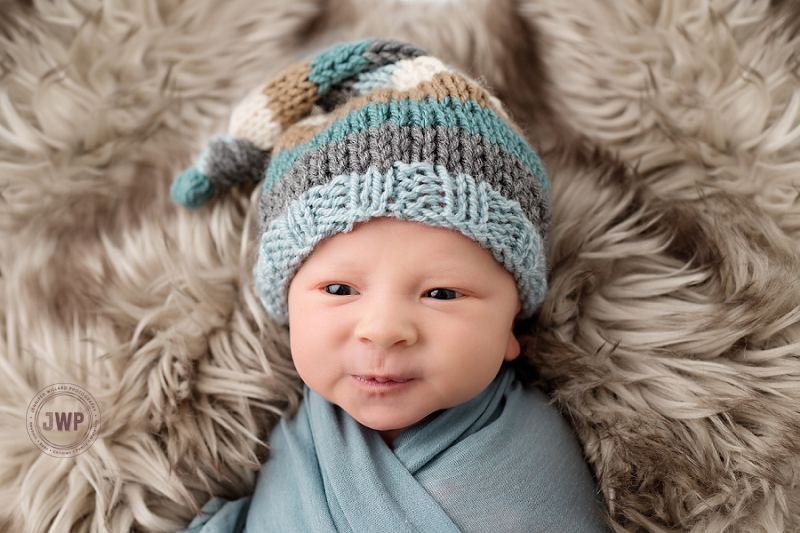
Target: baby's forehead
403 250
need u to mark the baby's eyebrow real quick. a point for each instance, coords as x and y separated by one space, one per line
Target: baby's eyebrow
349 265
454 265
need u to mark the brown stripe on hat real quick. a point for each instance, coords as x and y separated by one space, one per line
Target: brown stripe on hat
290 96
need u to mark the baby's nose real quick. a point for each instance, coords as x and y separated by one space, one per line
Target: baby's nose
386 323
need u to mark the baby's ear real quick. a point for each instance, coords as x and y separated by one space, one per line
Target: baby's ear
512 347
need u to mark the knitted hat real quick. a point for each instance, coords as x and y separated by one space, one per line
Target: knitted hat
377 128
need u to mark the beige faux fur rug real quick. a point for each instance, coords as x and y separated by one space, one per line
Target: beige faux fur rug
671 335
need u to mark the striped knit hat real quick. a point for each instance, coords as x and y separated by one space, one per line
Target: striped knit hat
377 128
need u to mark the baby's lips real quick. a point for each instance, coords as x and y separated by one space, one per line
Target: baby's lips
371 378
384 379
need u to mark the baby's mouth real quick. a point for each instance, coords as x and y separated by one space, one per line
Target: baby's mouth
378 381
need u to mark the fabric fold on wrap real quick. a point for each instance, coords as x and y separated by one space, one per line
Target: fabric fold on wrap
503 461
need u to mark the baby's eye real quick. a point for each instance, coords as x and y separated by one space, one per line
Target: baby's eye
443 294
339 289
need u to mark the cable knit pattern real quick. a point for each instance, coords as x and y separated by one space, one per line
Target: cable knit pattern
417 192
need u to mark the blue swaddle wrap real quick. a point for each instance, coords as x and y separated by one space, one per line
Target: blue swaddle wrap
503 461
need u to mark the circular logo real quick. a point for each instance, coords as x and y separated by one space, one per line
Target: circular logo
63 420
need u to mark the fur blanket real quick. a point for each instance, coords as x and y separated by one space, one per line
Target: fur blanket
671 334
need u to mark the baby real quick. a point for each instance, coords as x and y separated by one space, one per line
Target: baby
403 221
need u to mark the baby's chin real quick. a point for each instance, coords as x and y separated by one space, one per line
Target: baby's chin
389 431
387 426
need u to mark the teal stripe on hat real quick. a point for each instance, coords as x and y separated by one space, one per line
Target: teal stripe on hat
448 112
338 63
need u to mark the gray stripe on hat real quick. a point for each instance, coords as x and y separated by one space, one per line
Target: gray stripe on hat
453 148
384 51
230 162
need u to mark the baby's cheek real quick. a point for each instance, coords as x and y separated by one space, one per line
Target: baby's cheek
314 349
300 354
303 344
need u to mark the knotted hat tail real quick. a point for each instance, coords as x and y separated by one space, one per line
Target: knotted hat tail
264 115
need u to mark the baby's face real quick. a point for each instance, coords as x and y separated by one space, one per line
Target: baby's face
395 321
